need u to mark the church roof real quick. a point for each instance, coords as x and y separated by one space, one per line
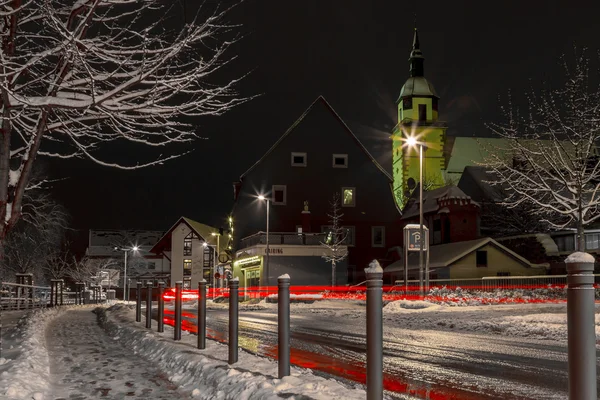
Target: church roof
417 86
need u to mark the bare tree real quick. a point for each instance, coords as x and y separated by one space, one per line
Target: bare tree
335 242
76 75
550 160
87 270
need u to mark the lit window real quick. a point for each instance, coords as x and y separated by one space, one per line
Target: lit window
298 159
378 236
340 161
279 195
187 267
348 197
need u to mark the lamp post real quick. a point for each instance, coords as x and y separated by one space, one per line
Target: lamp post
217 250
261 197
126 250
412 142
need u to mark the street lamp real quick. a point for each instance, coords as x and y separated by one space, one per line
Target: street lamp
217 250
411 141
126 250
261 197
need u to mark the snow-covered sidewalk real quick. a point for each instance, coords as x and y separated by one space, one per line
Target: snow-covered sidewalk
75 353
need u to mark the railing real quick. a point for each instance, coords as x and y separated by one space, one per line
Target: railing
490 283
15 296
278 238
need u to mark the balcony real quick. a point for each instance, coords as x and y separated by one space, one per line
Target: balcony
279 238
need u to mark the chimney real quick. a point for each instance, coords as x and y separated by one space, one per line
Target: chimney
305 218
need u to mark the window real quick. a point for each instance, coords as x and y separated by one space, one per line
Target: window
481 256
298 159
565 243
187 243
151 265
592 241
407 103
434 104
340 161
279 195
422 112
378 236
437 230
187 267
348 197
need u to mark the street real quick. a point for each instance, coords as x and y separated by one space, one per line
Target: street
426 363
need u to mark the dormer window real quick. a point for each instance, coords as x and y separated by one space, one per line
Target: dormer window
340 161
298 159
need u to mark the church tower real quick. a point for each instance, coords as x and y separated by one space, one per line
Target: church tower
417 117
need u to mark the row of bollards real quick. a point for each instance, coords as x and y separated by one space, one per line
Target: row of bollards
283 317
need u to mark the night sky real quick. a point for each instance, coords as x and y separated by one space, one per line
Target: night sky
353 52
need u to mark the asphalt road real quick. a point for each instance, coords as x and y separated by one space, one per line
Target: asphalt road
429 364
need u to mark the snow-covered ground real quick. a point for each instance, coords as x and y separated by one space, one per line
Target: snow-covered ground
58 359
72 351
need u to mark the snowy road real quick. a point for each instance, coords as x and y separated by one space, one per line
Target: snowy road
87 363
428 363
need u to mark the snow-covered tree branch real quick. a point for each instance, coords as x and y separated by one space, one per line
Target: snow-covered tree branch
77 75
550 161
336 248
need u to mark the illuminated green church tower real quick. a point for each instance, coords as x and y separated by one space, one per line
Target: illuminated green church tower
417 117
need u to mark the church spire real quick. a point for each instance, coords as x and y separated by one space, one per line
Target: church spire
416 57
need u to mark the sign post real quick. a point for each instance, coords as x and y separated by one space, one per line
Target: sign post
412 242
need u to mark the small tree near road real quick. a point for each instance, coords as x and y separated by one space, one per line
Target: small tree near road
550 162
335 242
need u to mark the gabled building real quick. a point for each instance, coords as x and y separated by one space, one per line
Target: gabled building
470 259
315 159
448 213
107 247
191 249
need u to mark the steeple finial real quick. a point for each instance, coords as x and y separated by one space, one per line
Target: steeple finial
416 57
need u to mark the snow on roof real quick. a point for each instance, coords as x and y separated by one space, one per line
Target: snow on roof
432 199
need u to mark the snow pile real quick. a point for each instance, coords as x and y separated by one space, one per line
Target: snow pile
207 375
29 375
401 305
462 297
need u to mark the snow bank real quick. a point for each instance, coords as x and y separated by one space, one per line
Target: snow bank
402 305
207 375
29 375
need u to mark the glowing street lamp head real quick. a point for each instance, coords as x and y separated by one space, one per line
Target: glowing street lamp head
204 244
411 141
261 197
213 233
135 248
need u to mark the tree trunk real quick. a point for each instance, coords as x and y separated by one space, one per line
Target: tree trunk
580 237
333 273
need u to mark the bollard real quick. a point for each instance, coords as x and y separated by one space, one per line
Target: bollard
177 333
202 314
581 326
374 331
138 303
161 307
234 285
149 304
283 325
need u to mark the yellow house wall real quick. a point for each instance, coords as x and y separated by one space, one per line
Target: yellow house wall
497 262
